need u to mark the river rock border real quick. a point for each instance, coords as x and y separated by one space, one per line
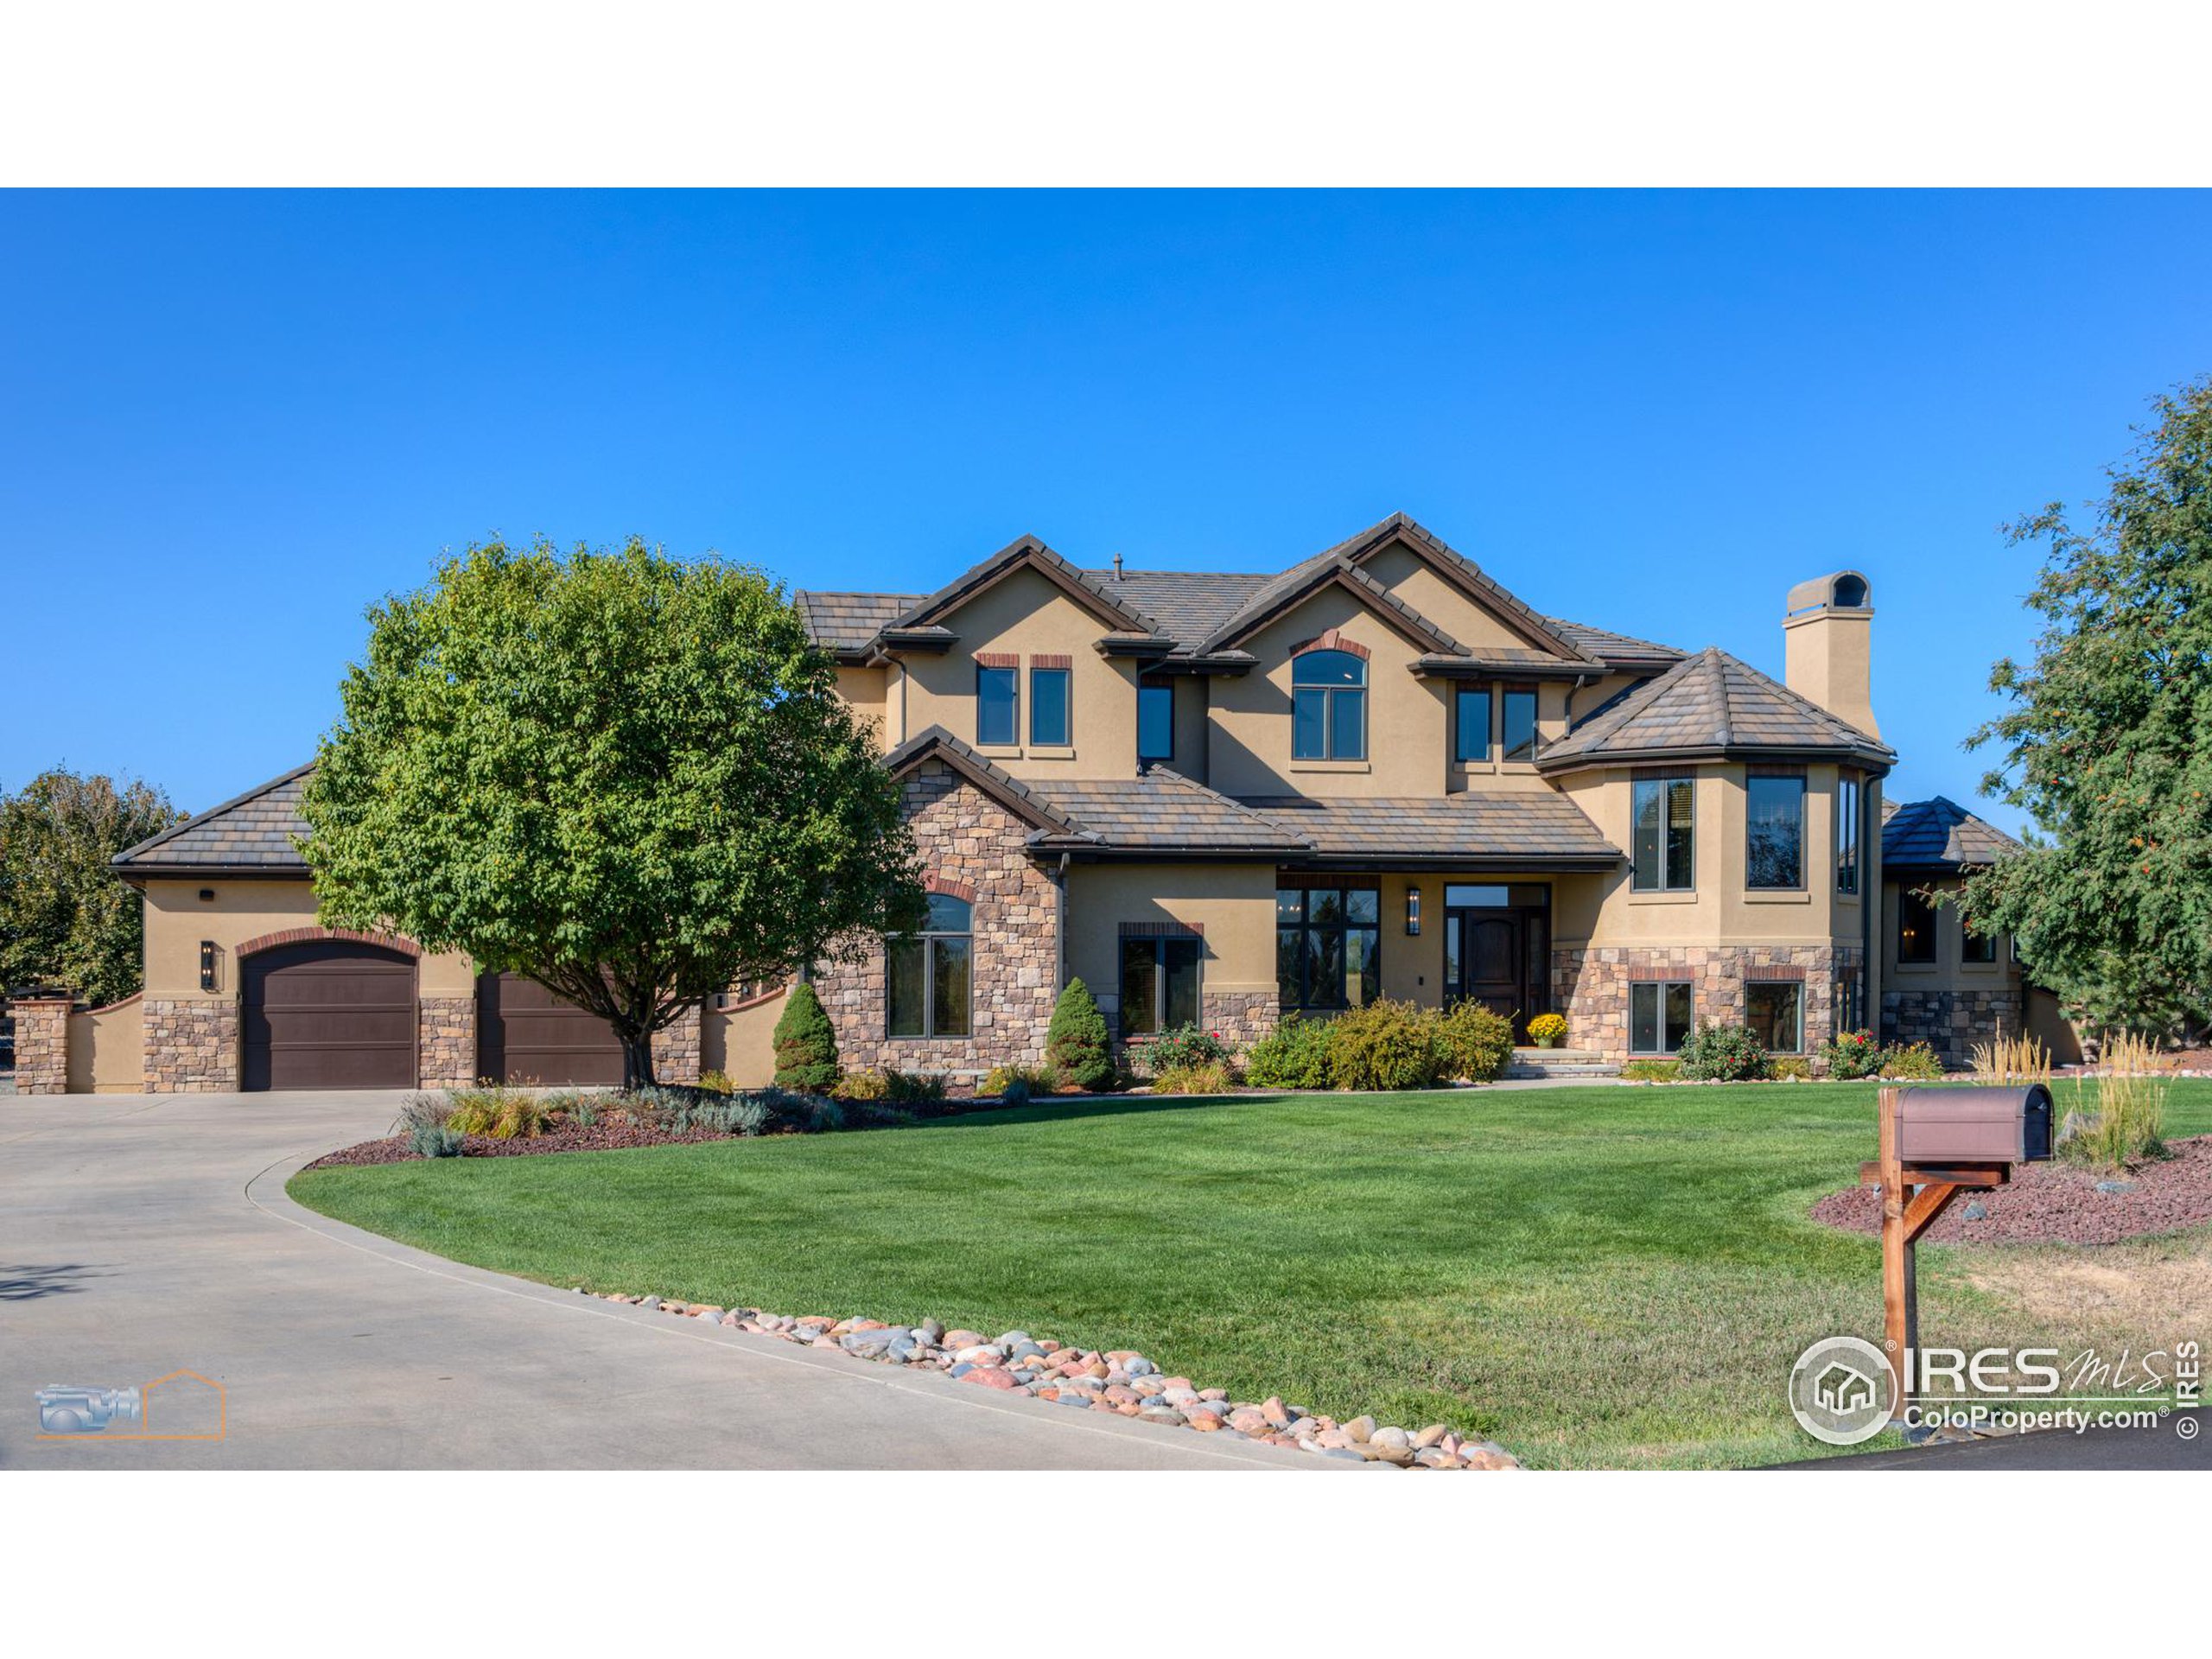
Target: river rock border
1119 1380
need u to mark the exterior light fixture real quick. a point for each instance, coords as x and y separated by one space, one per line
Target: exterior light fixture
1413 910
207 895
206 964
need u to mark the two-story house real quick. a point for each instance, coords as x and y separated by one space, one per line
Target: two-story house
1214 798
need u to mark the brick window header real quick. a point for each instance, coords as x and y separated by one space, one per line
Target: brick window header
1163 930
1050 659
1333 640
998 659
950 889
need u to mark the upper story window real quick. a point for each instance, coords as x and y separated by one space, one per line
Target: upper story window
1329 706
1155 723
1774 832
1848 795
931 973
1520 724
1665 838
1471 723
1050 723
998 706
1915 928
1974 946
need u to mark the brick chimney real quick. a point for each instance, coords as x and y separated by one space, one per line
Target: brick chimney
1828 636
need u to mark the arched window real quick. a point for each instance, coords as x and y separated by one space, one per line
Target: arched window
929 973
1328 691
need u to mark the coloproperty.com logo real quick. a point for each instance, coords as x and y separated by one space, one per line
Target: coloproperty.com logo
1844 1390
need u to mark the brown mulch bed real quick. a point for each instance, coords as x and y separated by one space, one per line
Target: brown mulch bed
603 1137
2058 1203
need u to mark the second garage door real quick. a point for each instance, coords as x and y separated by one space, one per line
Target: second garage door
525 1035
329 1014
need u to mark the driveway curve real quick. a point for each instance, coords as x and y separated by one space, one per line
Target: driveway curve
140 1235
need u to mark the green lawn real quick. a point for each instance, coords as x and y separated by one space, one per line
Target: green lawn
1598 1277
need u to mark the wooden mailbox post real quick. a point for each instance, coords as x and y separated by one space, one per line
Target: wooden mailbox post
1930 1146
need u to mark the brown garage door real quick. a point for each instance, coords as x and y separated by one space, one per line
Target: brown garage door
525 1035
332 1014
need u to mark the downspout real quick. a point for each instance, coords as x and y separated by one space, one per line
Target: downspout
1870 865
1060 926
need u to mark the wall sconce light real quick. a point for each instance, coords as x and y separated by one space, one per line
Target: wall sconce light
206 964
1413 910
207 895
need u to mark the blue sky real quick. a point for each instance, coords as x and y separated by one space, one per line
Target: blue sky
230 422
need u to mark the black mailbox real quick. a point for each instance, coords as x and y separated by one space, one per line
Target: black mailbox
1980 1125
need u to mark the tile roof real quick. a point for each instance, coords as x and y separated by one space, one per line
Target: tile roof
1939 835
252 832
1711 704
1163 810
1185 605
1613 647
849 621
1475 825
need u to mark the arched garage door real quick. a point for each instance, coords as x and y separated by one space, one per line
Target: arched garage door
332 1014
525 1035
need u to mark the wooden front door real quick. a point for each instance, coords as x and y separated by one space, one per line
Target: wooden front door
1499 956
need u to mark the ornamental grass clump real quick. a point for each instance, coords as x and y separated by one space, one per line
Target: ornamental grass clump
2020 1059
2127 1126
1197 1077
501 1113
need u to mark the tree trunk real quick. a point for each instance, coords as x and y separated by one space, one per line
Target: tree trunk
637 1061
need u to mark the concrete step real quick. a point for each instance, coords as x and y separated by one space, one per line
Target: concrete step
1530 1054
1522 1070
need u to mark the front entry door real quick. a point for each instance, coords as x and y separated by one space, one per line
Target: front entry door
1489 959
1498 953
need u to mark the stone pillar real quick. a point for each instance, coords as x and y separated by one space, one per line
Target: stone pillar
192 1044
446 1042
41 1015
675 1048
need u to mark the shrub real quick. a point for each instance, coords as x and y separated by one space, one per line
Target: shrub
422 1111
1027 1080
870 1085
1477 1042
1076 1044
1547 1029
1852 1054
435 1141
1295 1055
806 1045
1387 1045
913 1088
1716 1053
1792 1067
1185 1046
1652 1072
1913 1062
1198 1077
717 1080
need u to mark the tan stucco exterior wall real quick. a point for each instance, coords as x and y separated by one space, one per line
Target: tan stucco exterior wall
1233 904
178 920
107 1049
1027 616
1950 971
867 690
740 1040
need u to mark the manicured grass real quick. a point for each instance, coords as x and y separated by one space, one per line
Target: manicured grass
1600 1277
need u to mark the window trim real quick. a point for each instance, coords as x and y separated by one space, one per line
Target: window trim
1663 886
1659 988
1776 775
1507 691
1067 671
928 938
1013 671
1329 694
1488 693
1850 786
1159 942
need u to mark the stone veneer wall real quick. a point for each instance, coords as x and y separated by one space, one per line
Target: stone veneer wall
675 1048
971 845
445 1039
1242 1017
192 1045
1952 1021
42 1045
1589 985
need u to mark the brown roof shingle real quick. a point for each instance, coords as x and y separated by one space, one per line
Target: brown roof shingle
1474 827
1711 704
252 832
1939 835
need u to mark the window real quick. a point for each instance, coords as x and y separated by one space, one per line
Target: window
930 973
1159 985
1774 849
1520 723
1915 927
1329 707
1328 946
1471 739
1155 723
1664 836
1972 946
1773 1008
1658 1015
1048 707
998 707
1850 1002
1848 797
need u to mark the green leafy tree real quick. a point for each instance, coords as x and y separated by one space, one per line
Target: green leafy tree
806 1046
2108 743
1076 1044
627 778
64 918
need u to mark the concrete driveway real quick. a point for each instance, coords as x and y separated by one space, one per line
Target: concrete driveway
140 1235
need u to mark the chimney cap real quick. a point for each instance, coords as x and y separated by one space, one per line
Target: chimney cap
1118 567
1839 590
